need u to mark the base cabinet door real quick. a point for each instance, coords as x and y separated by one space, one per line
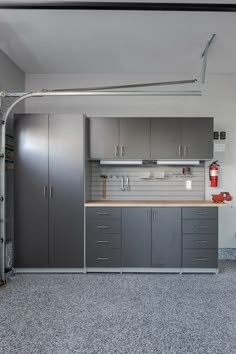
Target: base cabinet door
166 237
136 237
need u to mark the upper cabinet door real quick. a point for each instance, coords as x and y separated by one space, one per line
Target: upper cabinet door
104 138
166 138
197 138
135 138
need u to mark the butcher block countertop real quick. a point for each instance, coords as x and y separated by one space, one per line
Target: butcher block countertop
153 203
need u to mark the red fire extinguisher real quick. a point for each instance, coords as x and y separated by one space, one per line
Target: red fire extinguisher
213 174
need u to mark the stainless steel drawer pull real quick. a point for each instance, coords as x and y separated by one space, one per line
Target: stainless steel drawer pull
101 213
101 241
201 213
103 227
103 258
201 241
201 227
199 259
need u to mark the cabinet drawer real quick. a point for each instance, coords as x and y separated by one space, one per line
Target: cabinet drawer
103 227
200 213
103 213
107 241
200 241
105 258
200 258
199 227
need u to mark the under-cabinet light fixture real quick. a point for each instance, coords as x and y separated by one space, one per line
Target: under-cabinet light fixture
178 162
121 162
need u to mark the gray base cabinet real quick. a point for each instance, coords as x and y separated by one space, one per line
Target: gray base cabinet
200 237
136 237
166 237
163 237
103 237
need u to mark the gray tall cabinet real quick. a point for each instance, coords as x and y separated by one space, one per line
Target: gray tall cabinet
49 197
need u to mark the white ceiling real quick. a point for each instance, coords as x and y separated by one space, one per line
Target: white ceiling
105 42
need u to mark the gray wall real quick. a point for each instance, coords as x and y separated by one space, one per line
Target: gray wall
147 183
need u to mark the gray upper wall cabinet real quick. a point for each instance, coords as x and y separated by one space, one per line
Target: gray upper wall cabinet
104 138
155 138
125 138
182 138
197 138
134 138
165 138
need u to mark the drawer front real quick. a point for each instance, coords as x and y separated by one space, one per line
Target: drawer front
200 213
106 258
103 227
199 226
102 242
200 258
200 241
103 213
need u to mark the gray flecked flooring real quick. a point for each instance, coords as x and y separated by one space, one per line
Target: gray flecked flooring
112 313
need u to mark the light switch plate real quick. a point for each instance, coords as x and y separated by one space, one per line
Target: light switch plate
189 184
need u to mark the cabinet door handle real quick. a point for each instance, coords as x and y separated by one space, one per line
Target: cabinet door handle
148 212
103 227
102 241
51 192
200 241
103 213
122 151
201 227
179 150
45 191
116 151
200 259
103 258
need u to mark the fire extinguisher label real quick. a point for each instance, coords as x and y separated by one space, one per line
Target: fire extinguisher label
214 173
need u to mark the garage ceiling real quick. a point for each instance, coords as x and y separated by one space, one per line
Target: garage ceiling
106 42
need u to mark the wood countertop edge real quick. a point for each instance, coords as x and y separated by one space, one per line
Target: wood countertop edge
154 204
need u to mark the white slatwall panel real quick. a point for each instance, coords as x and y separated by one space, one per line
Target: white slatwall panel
172 187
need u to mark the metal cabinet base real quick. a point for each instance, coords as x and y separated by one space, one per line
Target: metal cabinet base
153 270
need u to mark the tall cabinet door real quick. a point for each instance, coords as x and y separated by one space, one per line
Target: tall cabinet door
136 237
166 138
66 191
197 138
30 185
104 138
166 237
135 138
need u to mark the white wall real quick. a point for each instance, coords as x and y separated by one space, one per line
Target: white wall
218 101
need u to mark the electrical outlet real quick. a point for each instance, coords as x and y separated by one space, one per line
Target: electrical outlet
188 184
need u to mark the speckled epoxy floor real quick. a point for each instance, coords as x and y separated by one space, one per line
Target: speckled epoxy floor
112 313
